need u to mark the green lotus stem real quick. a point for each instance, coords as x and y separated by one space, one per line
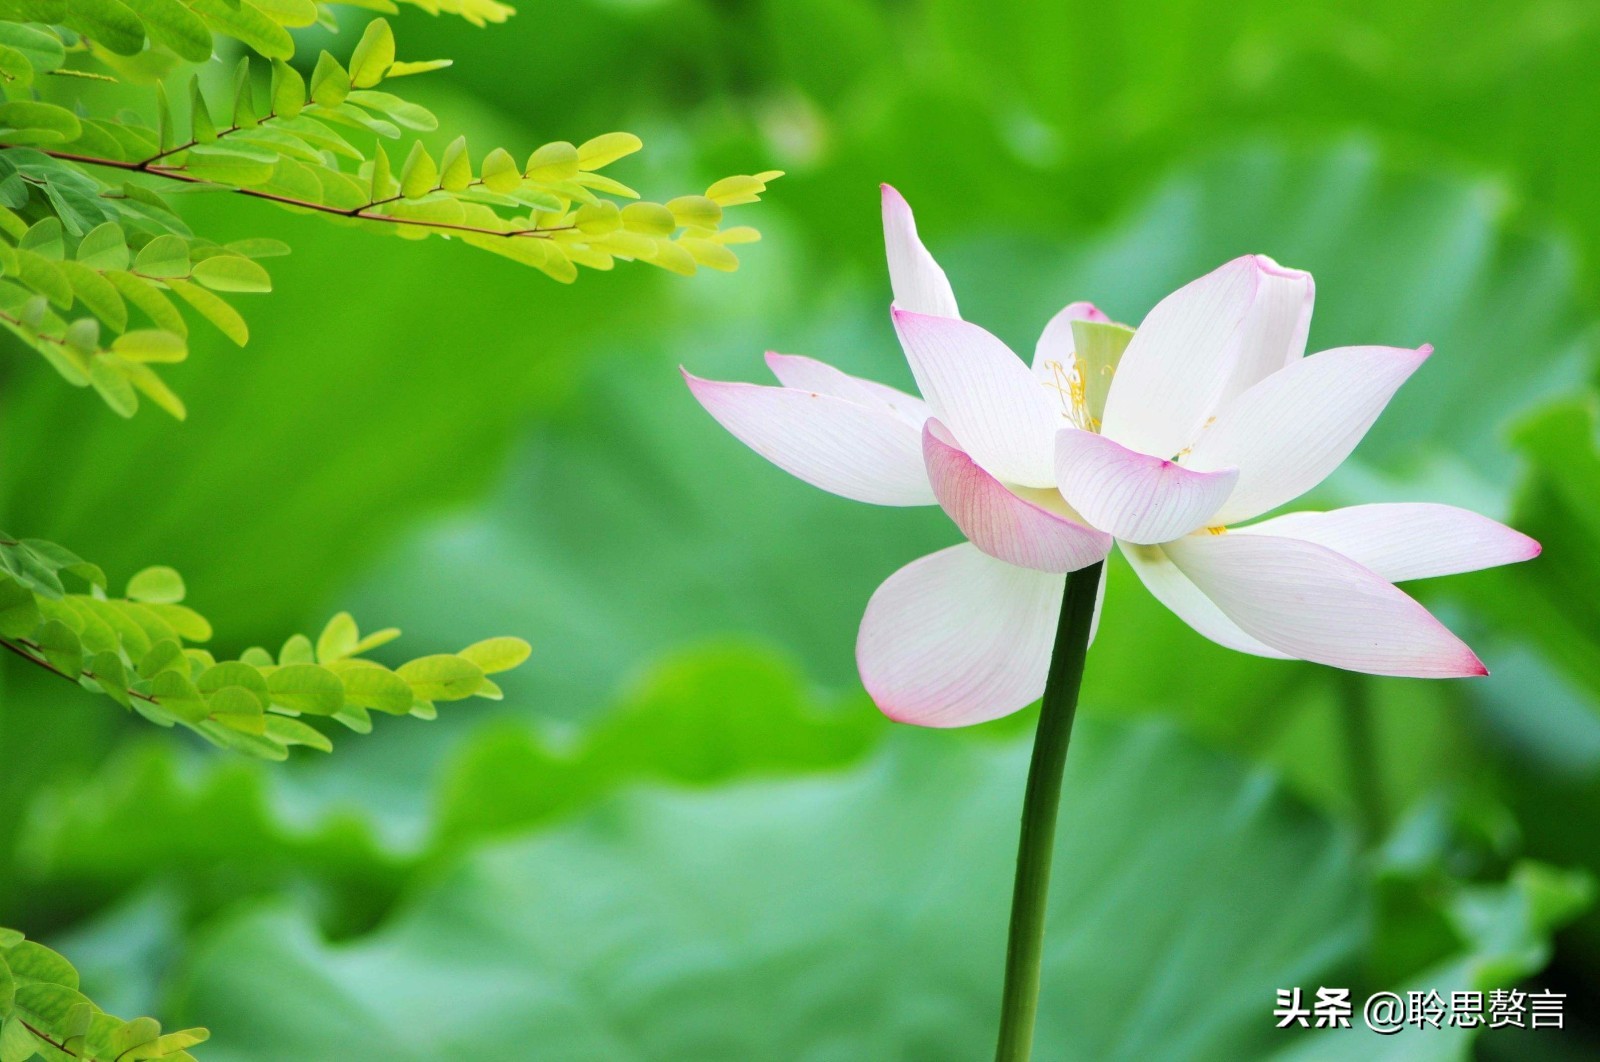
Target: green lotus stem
1025 943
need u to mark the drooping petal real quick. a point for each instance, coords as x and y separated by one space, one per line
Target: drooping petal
1136 497
984 394
958 637
1288 432
847 449
1312 603
809 374
1173 589
1274 331
1180 359
1406 540
919 284
999 522
1055 342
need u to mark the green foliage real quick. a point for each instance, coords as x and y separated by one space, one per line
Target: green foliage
69 280
81 231
43 1014
1561 445
139 650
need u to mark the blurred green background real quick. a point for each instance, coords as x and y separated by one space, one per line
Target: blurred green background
686 833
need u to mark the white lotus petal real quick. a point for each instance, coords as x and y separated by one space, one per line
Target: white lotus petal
1136 497
1406 540
1288 432
847 449
1274 331
1173 589
808 374
958 637
999 522
988 399
1312 603
1179 361
919 284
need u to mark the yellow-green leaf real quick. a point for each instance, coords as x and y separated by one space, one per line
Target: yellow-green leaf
373 55
231 272
158 585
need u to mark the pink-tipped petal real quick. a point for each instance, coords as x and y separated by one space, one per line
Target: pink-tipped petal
809 374
1312 603
958 637
1288 432
1173 589
1406 540
1274 332
1056 343
847 449
999 522
1136 497
919 284
984 394
1180 358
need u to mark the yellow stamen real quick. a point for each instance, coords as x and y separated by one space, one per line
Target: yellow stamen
1072 390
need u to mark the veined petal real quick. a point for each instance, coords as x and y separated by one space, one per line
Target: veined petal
808 374
1312 603
999 522
1406 540
1173 589
1273 334
1180 359
1136 497
1288 432
984 394
958 637
847 449
919 284
1055 342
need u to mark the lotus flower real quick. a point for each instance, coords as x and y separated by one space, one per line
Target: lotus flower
1163 439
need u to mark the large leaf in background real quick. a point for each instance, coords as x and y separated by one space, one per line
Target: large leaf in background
860 915
1549 726
853 915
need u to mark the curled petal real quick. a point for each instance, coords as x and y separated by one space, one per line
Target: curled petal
1180 359
809 374
1001 523
847 449
983 394
919 284
1312 603
1288 432
1273 334
958 637
1406 540
1136 497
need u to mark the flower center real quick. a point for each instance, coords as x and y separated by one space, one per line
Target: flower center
1068 382
1082 379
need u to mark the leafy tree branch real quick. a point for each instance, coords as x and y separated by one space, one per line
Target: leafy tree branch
42 1012
142 651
